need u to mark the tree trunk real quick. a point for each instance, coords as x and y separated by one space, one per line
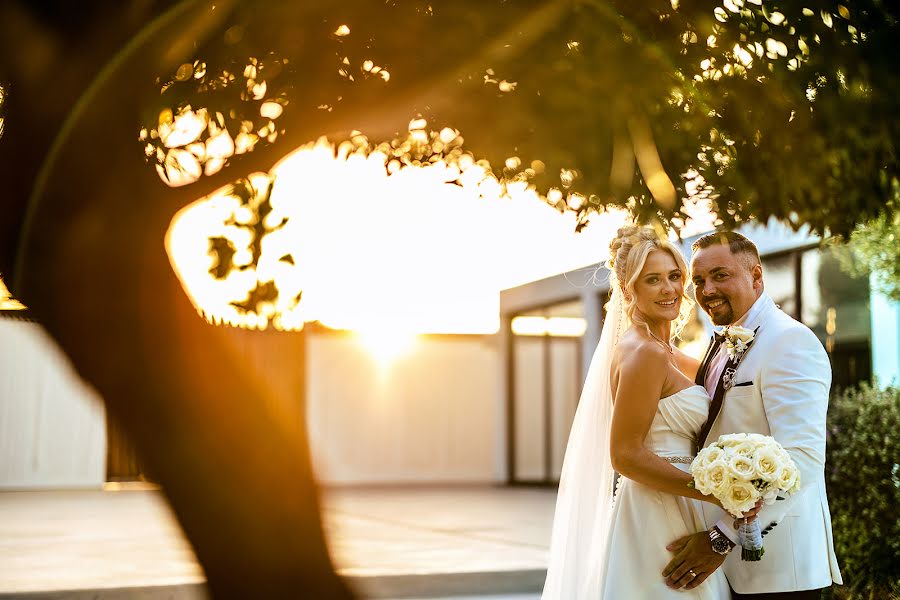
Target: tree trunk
95 273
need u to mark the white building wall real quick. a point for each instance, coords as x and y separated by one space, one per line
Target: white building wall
430 416
52 424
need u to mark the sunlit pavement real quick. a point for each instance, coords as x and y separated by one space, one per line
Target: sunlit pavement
461 542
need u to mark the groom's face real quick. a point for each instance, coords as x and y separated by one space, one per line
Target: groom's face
725 285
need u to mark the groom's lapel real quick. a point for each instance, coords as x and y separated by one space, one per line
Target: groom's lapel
707 358
726 380
716 404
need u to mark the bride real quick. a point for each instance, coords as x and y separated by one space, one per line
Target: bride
639 414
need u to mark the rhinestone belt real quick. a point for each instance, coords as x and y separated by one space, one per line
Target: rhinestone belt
685 460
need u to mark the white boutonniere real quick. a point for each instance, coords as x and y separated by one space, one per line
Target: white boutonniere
737 340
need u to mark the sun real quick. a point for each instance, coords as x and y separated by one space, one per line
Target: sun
386 345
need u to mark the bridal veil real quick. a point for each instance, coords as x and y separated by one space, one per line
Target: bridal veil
585 499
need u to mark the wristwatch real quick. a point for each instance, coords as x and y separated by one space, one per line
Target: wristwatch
720 544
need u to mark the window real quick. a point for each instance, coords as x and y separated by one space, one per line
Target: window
779 273
836 307
546 385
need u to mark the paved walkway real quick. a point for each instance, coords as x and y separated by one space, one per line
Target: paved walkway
408 542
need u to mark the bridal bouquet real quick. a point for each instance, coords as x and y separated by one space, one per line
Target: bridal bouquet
738 470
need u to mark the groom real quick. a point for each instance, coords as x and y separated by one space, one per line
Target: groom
779 387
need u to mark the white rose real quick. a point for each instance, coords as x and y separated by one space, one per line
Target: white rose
772 442
718 479
741 468
788 478
739 333
741 498
707 456
783 456
701 482
770 496
732 439
699 458
767 464
760 439
746 448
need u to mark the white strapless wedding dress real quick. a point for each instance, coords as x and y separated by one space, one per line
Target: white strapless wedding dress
645 521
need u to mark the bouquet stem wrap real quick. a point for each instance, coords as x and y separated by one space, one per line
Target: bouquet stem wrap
751 541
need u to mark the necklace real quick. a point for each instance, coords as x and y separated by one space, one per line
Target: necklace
667 346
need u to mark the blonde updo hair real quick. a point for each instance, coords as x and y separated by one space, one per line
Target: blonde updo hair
628 254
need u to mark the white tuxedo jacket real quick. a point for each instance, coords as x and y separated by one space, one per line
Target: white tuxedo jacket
781 389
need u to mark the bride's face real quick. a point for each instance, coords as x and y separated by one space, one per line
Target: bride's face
659 287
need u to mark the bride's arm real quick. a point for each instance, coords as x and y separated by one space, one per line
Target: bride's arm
641 377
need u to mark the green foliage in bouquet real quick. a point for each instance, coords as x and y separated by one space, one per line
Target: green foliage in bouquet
863 479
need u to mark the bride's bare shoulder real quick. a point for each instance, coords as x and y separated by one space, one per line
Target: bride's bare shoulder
639 363
638 351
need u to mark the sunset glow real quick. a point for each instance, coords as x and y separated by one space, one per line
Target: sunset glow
372 244
386 344
404 250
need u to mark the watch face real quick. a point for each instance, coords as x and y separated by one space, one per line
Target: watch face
721 545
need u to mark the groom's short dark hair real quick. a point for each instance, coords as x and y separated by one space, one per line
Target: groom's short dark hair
737 243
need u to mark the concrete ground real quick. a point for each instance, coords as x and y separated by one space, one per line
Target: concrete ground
405 542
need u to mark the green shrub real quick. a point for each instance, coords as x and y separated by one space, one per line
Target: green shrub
863 479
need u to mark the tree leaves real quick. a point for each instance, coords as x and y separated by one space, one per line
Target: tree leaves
874 247
767 112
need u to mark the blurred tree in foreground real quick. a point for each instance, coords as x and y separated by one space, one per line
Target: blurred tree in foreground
763 109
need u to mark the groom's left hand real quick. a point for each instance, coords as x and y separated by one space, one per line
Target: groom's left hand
693 554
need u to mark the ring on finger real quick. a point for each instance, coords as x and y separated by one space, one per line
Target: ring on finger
692 574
